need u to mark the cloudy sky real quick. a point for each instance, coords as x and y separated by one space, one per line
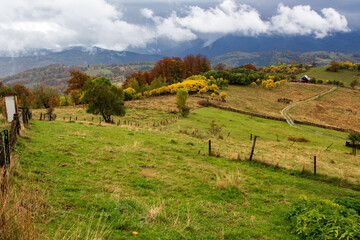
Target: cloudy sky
120 24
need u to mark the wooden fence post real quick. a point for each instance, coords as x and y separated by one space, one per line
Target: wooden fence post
315 165
209 147
40 116
253 148
2 151
250 136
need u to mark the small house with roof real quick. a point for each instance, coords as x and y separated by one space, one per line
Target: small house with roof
305 79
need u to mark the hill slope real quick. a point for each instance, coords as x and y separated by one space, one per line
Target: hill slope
321 58
153 180
57 75
72 56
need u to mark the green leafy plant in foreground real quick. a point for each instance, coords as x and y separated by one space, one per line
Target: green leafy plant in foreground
181 97
323 219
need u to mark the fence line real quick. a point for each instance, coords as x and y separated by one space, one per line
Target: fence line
8 140
53 117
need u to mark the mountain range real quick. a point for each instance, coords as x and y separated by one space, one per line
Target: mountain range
228 45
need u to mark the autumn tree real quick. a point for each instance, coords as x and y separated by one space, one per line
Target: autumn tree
195 65
250 66
43 95
74 97
77 81
333 67
104 99
24 95
54 101
172 69
219 67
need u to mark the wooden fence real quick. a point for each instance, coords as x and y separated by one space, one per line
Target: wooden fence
8 139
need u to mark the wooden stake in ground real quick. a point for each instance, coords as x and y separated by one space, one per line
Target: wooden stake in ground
315 165
209 147
253 148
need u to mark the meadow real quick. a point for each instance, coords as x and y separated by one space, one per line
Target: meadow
342 75
101 181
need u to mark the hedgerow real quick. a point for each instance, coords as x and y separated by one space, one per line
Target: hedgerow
285 69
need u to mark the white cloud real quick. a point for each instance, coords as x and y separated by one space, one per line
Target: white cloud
233 17
60 23
167 27
302 20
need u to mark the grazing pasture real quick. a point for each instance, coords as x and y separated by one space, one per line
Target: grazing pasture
106 181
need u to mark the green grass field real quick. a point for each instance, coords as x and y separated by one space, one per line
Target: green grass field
343 75
161 183
96 72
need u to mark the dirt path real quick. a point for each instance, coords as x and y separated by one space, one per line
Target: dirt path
290 121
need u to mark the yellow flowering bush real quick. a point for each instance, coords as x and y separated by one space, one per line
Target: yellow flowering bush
284 68
269 84
223 96
129 93
196 83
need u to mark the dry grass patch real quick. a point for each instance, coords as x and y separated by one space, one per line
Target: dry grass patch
340 109
21 210
229 179
162 103
264 101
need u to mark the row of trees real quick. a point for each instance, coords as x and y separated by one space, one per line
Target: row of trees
168 71
336 66
40 97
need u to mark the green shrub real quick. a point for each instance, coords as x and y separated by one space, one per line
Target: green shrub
323 219
349 203
320 81
181 97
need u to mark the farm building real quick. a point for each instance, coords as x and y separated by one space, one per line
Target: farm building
305 79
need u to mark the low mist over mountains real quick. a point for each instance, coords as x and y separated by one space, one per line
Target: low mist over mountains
341 42
72 56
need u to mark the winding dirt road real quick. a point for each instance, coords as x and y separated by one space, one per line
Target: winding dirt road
290 121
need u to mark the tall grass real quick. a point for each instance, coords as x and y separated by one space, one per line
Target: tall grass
21 208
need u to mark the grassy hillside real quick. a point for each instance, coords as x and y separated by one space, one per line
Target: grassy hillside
342 75
338 109
161 183
264 101
321 58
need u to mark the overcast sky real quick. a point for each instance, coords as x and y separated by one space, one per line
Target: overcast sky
119 24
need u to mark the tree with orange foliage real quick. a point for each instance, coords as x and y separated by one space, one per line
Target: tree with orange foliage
24 95
219 67
250 66
54 101
172 69
333 67
77 81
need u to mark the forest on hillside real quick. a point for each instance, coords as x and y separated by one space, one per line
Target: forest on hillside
57 75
